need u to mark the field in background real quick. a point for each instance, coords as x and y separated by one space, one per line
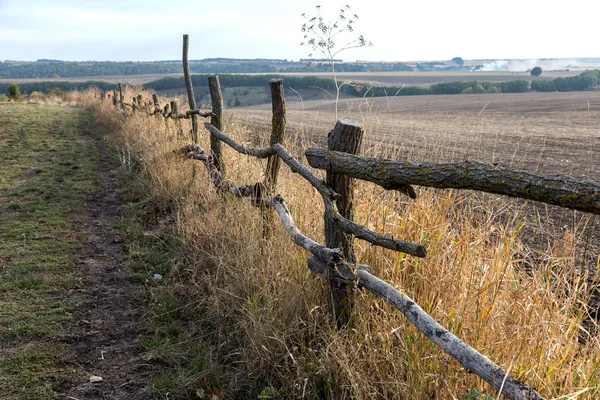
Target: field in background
546 132
421 78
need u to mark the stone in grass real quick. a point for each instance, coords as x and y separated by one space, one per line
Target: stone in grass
96 379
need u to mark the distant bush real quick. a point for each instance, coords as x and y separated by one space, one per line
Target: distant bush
55 92
36 95
536 71
3 97
518 86
448 87
14 92
458 61
542 85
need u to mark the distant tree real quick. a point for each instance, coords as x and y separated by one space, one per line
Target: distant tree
319 35
458 61
14 92
237 102
536 71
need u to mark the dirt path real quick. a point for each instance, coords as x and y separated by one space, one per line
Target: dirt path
71 306
108 313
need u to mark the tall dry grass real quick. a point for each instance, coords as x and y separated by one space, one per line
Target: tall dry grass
261 316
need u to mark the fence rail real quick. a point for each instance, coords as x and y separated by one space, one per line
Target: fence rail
335 261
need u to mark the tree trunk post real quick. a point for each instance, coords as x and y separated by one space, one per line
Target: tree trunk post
345 137
216 97
277 132
114 98
155 101
121 97
175 116
189 88
277 135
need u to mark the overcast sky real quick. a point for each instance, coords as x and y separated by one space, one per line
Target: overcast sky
400 30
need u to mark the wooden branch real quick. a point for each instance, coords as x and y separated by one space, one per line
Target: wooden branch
341 275
307 174
375 238
329 256
348 226
194 151
198 112
577 194
250 151
471 359
255 192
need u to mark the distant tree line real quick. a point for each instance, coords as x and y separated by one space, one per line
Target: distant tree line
587 80
65 69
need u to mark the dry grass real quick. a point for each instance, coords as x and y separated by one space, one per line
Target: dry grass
260 313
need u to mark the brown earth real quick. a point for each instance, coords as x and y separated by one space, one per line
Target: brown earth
109 305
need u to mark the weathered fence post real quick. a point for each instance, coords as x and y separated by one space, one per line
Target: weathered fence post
345 137
277 135
121 97
190 89
114 98
277 132
216 97
155 101
175 116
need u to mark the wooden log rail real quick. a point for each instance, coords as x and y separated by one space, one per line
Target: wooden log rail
562 191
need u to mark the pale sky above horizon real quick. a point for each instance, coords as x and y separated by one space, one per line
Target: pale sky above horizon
148 30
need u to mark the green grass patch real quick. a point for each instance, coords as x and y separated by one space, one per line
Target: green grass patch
44 179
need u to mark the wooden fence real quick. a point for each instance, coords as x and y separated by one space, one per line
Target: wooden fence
335 261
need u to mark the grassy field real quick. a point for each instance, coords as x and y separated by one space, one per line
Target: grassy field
513 279
44 177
